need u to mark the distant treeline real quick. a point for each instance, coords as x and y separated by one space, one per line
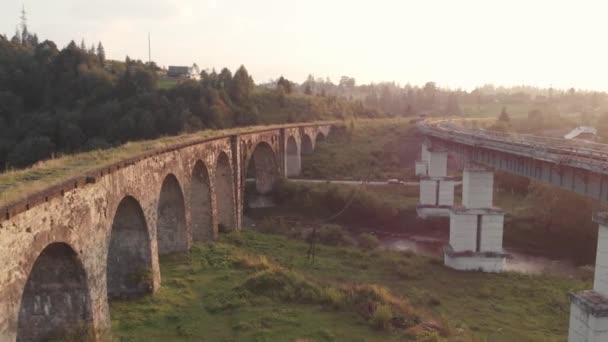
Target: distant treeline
55 101
396 99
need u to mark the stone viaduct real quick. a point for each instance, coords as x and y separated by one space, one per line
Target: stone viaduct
476 226
65 251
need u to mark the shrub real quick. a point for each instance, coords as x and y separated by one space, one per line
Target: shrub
333 297
368 241
381 317
332 235
250 261
273 225
284 285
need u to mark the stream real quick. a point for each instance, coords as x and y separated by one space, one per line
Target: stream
517 262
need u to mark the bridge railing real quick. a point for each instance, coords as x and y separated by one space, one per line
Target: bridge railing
559 150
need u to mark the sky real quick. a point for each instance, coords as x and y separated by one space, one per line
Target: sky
457 44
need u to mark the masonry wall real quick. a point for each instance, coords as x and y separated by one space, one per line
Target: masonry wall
82 217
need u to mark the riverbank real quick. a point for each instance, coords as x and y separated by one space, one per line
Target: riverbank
208 294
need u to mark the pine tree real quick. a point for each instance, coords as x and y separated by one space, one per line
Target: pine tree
83 46
16 38
72 45
92 49
504 116
33 39
101 53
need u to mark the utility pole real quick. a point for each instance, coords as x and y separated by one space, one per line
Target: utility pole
149 49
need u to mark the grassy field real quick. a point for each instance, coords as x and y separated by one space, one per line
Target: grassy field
167 83
369 149
260 287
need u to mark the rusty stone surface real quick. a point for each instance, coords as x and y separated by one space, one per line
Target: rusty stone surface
81 214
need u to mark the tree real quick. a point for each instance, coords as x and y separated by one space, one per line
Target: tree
16 38
452 106
242 85
284 85
101 53
225 79
504 116
307 89
71 45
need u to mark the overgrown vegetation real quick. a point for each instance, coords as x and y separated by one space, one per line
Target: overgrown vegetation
258 287
366 150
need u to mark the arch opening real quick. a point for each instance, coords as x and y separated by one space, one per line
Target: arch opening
200 204
307 147
320 138
129 261
172 233
55 304
224 194
261 177
292 158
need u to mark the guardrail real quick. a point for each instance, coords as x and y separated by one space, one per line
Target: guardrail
588 155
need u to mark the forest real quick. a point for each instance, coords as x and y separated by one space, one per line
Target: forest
55 101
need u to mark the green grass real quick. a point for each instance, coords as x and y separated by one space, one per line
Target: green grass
203 297
372 149
167 83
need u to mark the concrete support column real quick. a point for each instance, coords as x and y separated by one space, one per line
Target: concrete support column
476 228
438 163
422 164
436 189
589 309
477 187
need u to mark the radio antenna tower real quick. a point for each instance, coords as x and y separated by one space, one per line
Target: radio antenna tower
149 49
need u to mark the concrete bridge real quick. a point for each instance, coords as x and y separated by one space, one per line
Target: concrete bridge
70 248
476 226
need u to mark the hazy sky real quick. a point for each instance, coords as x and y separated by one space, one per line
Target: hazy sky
462 43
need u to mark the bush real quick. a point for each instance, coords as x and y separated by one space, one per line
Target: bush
381 317
368 241
332 235
284 285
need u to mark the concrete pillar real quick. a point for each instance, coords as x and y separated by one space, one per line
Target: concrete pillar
428 192
422 164
436 197
436 189
446 192
438 163
589 309
477 187
476 228
421 168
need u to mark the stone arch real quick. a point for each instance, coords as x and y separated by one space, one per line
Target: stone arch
129 260
307 145
264 163
319 138
55 303
224 192
171 230
292 158
200 204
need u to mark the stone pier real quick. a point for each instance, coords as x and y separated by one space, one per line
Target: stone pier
476 227
436 188
589 309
